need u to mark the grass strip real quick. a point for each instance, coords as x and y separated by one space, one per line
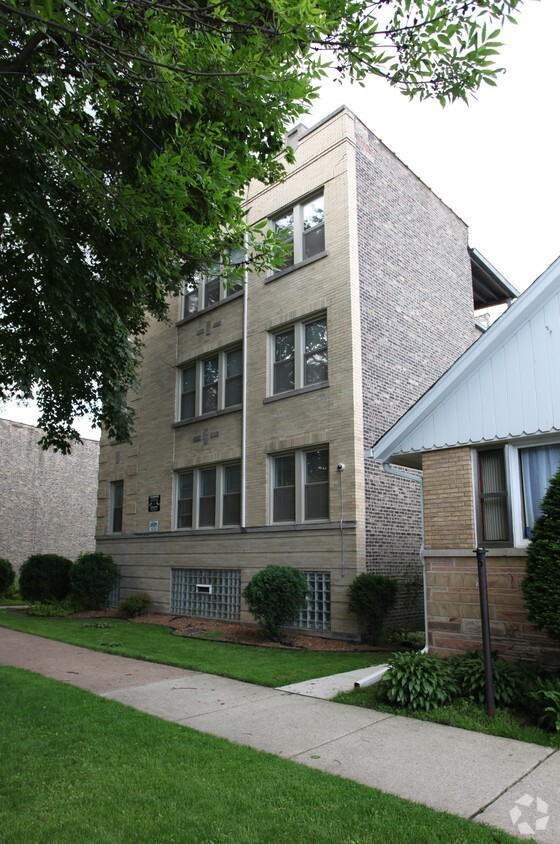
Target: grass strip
76 769
462 713
152 642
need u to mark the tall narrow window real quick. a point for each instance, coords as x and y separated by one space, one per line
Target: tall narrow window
207 498
493 496
231 514
284 368
234 378
185 501
210 385
313 227
117 500
284 226
315 355
284 505
188 393
317 484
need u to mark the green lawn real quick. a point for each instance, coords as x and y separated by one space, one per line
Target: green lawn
461 713
77 769
265 666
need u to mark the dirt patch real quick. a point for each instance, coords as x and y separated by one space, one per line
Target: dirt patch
240 634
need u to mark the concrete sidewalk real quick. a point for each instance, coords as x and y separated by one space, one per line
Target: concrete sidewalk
508 784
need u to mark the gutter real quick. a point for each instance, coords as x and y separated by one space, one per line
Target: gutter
380 670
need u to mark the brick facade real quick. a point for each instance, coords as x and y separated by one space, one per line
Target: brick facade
452 572
394 283
48 498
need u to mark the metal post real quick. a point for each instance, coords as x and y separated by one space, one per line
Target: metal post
485 622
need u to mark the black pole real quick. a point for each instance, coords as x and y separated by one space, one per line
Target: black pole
485 622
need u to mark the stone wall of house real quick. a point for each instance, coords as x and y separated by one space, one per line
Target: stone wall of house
48 499
416 319
454 607
449 520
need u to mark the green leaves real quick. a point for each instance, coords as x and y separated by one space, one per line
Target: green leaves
129 132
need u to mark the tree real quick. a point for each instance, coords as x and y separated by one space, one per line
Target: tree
541 585
129 131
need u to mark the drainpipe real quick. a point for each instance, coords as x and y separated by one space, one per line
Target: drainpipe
389 469
244 407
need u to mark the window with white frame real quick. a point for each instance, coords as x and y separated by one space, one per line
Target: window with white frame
211 384
209 497
116 506
512 482
302 228
300 486
299 355
214 285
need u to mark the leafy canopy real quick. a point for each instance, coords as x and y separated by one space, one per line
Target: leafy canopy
129 131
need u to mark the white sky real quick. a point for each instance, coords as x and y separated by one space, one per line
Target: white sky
494 162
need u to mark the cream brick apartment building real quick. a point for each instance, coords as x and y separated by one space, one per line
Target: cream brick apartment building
254 404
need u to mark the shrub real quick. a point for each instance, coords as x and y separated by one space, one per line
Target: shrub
419 681
275 596
469 673
545 703
541 586
45 577
92 578
54 609
412 640
7 575
370 597
136 604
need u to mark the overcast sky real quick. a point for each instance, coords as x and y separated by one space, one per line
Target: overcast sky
494 162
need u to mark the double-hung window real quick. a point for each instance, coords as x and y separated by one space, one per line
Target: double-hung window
300 486
219 282
302 229
512 482
211 384
209 497
299 355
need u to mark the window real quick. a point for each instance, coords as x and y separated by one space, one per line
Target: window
300 356
116 505
511 484
302 229
215 285
212 384
300 486
209 497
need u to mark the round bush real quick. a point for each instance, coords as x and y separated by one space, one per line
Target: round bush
136 604
275 596
45 577
92 579
7 575
370 597
541 586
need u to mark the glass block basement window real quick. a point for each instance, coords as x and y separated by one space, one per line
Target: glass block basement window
206 593
317 612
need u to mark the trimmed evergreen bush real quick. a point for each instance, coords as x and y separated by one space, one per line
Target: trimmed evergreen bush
92 579
275 596
136 604
7 575
45 577
370 597
541 586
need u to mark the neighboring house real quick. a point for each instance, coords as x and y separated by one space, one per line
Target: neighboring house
487 438
48 499
255 402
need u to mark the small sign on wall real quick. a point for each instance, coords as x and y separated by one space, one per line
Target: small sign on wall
153 527
154 503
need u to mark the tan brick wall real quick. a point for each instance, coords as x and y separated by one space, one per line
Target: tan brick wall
448 499
454 608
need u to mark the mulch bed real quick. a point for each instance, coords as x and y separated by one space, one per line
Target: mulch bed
240 634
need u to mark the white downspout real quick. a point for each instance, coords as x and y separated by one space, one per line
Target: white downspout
244 407
381 669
